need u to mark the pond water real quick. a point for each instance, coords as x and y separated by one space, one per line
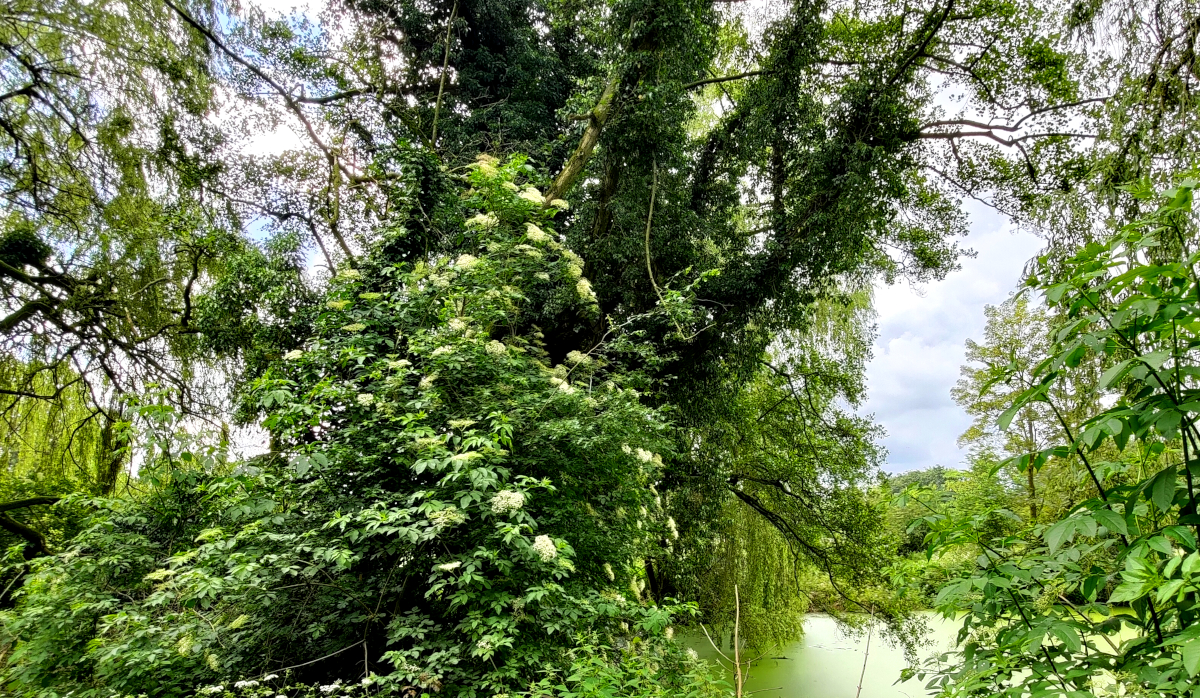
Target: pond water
826 663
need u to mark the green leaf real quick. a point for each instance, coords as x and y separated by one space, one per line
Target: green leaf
1111 375
1059 532
1191 657
1112 521
1162 489
1068 635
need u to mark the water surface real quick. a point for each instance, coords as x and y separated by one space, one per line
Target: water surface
826 663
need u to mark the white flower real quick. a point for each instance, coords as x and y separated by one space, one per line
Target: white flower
495 348
397 365
535 234
529 251
669 632
542 275
367 680
545 548
574 271
457 324
270 677
427 382
577 357
444 349
337 305
692 654
674 529
370 296
354 327
560 204
608 570
466 261
330 688
461 424
566 387
349 274
533 195
584 288
446 518
510 186
484 645
628 451
212 689
293 355
245 684
449 566
505 501
483 220
365 399
439 281
644 456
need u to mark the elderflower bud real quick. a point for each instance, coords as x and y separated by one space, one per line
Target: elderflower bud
535 234
531 194
466 261
484 221
354 327
608 571
545 548
337 305
349 274
505 501
560 204
293 355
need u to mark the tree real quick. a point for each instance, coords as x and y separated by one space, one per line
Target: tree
1133 300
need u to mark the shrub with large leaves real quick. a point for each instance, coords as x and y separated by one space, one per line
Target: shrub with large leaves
444 506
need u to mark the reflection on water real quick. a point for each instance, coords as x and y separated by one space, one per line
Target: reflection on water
826 663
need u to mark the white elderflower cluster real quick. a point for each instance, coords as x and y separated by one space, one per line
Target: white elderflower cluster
578 358
349 274
439 281
692 654
505 501
365 399
461 424
575 271
560 204
584 288
444 349
669 632
337 305
674 529
495 348
545 548
562 385
457 324
484 221
465 261
535 234
644 456
354 327
371 296
330 688
446 518
608 570
251 683
427 382
628 451
484 645
212 689
270 677
293 355
542 275
399 364
529 251
449 566
511 187
531 194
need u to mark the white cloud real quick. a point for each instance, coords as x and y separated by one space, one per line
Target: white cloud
922 332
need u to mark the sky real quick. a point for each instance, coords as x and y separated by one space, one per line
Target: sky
923 330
